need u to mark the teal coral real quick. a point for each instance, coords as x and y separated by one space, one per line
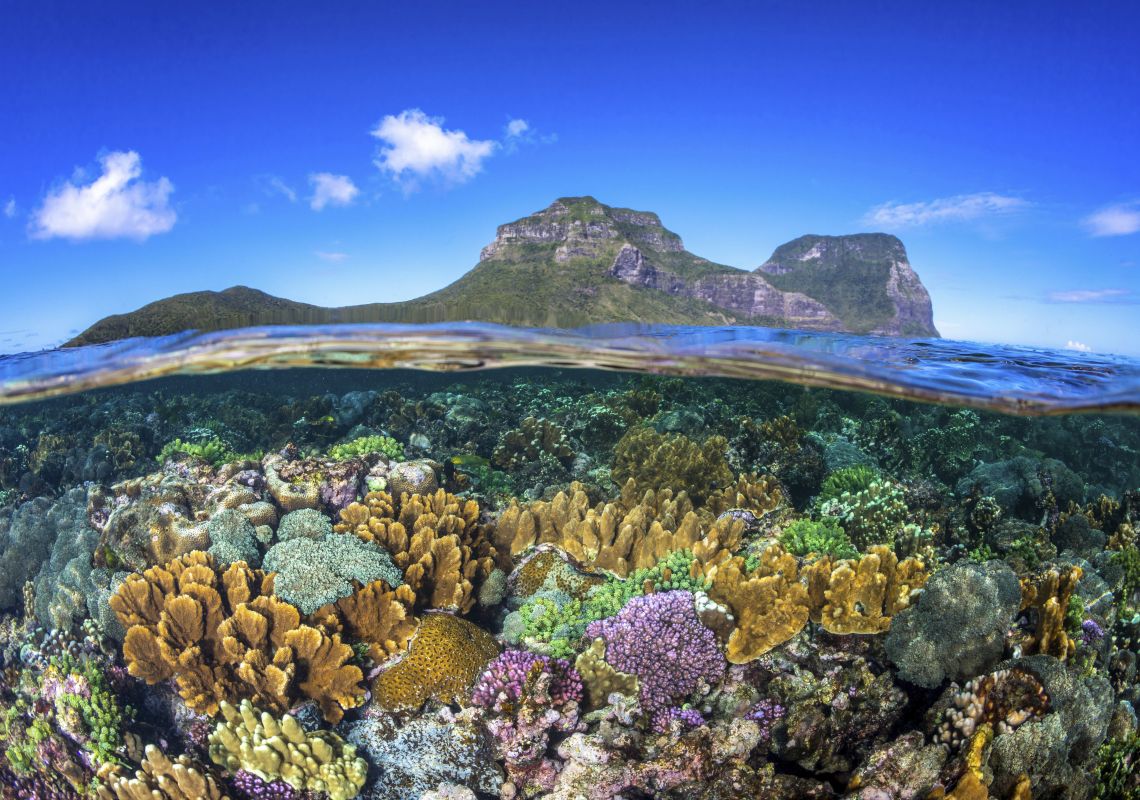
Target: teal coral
848 480
365 446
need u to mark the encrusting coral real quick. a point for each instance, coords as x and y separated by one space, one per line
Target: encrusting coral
443 661
436 539
271 748
1047 597
160 778
222 636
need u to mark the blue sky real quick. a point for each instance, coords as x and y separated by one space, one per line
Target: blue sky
367 153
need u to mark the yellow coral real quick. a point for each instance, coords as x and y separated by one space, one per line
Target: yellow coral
655 460
1048 595
861 596
159 779
280 749
769 605
376 614
443 661
599 678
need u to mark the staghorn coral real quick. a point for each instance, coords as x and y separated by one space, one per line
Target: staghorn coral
436 539
160 778
222 636
1046 598
443 661
311 573
272 749
769 605
674 461
1003 699
533 438
622 536
861 596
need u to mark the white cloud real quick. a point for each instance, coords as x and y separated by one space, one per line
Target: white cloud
272 184
1090 296
331 190
10 208
960 208
1118 220
516 128
1081 346
334 258
116 204
417 146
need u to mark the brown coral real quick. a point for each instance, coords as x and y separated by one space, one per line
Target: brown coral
375 614
221 636
443 661
159 779
672 460
634 532
529 441
1046 598
861 596
769 605
1004 699
436 539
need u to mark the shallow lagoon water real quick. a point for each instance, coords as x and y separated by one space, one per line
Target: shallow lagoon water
625 562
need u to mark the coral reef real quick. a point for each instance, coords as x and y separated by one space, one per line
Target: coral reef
671 461
533 438
310 573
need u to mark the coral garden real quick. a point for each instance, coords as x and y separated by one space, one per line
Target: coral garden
566 585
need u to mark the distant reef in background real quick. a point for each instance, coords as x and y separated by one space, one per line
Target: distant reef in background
580 262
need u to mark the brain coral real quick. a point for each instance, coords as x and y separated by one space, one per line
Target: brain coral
446 657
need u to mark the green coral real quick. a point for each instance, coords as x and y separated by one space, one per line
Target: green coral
1118 769
97 710
849 480
366 445
871 516
824 537
1128 559
214 452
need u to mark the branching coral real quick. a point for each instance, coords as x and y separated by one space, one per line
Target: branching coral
870 516
443 661
825 537
769 605
861 596
160 778
436 540
673 461
529 441
1045 598
365 446
271 748
222 636
1004 699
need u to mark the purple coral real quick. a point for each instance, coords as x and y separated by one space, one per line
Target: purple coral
660 639
251 787
766 714
689 717
1091 633
504 683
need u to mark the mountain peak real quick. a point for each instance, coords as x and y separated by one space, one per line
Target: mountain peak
582 227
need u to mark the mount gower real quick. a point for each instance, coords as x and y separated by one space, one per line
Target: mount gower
580 262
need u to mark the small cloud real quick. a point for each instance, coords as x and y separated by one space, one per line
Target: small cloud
116 204
10 208
276 185
960 208
334 258
1116 220
331 190
417 147
1092 296
1080 346
516 128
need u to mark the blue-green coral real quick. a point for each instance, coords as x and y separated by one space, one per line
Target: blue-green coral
367 445
822 537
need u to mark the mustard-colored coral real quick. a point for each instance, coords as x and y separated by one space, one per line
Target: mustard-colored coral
769 606
436 539
672 460
1047 595
634 532
443 661
529 441
159 778
375 614
600 679
280 749
222 636
861 596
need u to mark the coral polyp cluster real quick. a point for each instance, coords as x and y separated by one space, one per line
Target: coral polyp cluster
544 587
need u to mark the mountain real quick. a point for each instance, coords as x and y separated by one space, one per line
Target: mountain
580 262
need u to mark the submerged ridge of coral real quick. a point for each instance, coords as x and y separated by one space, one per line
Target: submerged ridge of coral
543 586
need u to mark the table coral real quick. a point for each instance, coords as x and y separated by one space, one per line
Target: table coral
660 639
769 605
279 748
443 661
